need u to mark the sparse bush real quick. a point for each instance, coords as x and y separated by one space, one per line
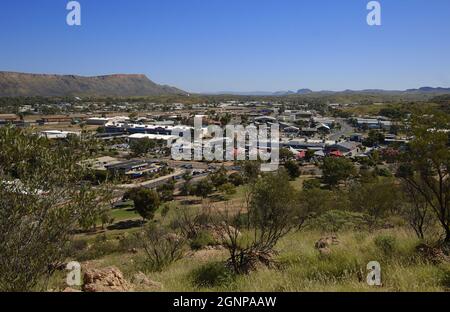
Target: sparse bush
165 210
129 242
272 213
161 247
100 248
201 240
337 220
334 268
386 243
293 169
227 188
311 184
236 179
212 275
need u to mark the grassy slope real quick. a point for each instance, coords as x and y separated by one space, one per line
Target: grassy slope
301 267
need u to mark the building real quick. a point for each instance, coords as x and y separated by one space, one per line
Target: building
55 119
101 163
9 118
345 148
97 121
329 122
133 168
57 134
124 127
356 137
304 145
168 139
12 119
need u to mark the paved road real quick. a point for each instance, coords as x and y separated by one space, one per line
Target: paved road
346 130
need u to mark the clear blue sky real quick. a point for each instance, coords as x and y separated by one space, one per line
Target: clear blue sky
234 45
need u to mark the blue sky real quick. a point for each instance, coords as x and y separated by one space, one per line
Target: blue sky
234 45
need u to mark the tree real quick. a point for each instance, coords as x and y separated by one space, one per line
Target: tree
271 214
311 184
204 188
227 188
293 169
42 202
251 170
161 247
146 201
142 147
166 191
225 119
416 210
425 165
336 170
220 177
286 154
374 138
236 179
186 188
375 199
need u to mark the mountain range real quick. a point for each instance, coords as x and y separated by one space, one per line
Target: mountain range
22 84
14 84
422 90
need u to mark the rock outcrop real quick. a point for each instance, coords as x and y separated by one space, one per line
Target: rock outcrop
105 280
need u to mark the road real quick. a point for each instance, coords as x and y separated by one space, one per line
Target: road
345 130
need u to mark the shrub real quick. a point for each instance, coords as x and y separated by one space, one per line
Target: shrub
212 275
98 249
161 247
293 169
236 179
128 242
201 240
228 189
311 184
386 243
338 220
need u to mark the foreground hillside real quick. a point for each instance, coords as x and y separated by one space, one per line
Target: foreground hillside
22 84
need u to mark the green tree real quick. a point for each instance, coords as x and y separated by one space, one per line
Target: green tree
204 188
142 147
251 170
426 164
236 179
293 169
336 170
286 154
166 191
271 215
146 201
220 177
42 202
374 138
375 199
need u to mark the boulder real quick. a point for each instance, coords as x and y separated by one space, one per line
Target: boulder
140 279
105 280
325 251
327 242
433 254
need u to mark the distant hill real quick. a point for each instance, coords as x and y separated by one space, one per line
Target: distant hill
424 91
430 90
22 84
